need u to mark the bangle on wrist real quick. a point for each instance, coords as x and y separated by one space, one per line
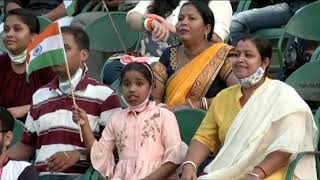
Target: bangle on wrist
255 175
147 24
204 103
191 163
190 104
261 169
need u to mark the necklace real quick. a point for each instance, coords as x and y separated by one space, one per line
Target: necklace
182 58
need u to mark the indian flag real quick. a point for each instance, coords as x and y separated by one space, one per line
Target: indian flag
47 49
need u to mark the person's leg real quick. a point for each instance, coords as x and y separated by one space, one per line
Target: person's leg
247 22
111 71
84 19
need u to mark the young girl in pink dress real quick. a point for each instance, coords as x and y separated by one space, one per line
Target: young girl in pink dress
145 135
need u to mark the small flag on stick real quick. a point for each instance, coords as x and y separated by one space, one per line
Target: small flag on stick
47 49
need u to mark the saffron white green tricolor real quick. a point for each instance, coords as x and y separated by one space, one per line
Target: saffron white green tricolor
47 49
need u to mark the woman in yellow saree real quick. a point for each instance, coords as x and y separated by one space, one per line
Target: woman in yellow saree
195 71
256 127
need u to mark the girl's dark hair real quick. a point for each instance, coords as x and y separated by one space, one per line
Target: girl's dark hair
163 8
205 12
143 68
6 120
263 45
27 17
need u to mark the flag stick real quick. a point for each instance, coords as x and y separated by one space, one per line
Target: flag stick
115 28
72 92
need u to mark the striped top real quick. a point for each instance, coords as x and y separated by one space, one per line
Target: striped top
49 126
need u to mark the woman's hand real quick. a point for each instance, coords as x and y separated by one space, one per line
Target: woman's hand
161 28
79 116
160 32
188 173
20 111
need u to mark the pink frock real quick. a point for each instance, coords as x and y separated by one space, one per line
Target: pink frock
144 142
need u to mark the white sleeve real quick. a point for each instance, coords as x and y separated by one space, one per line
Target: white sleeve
31 125
141 7
222 11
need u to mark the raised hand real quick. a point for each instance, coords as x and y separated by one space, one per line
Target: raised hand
161 28
79 115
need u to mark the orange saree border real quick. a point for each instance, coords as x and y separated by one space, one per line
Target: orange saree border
194 79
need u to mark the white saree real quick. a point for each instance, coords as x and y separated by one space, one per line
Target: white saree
275 118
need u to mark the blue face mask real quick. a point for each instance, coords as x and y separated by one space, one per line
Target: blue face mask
75 79
253 79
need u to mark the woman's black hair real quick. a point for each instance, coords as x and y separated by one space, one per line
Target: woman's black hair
263 45
143 68
27 17
205 12
6 120
163 8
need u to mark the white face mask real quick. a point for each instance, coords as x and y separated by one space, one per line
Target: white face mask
18 59
253 79
141 107
75 79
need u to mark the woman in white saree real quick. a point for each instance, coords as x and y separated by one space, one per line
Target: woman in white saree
258 126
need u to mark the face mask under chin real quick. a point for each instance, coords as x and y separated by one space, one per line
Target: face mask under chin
18 59
253 79
75 79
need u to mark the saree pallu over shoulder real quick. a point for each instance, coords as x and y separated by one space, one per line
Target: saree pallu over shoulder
275 118
193 80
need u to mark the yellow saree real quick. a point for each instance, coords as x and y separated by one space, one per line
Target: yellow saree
193 80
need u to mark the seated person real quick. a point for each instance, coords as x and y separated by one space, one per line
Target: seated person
20 27
11 169
250 21
52 10
145 135
49 129
192 73
162 35
256 127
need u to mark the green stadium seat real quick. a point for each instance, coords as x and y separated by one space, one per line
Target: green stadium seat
104 38
316 55
189 120
306 81
243 5
294 163
304 24
18 130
